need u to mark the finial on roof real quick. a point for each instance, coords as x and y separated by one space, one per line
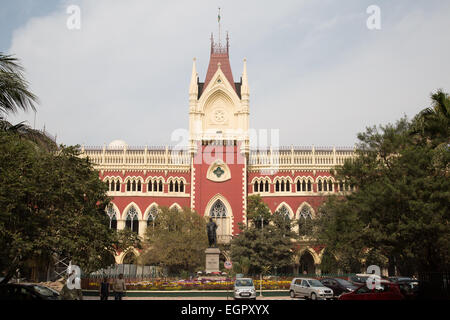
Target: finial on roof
245 89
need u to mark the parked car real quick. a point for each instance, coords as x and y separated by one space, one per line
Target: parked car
338 285
361 278
385 291
410 288
309 289
27 291
244 289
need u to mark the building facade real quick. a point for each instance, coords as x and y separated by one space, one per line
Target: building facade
217 169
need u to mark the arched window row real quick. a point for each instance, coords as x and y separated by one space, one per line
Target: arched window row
155 185
282 184
325 184
113 183
261 185
301 184
343 186
134 184
176 184
304 184
152 184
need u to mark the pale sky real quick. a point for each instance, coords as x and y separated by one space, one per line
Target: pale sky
316 72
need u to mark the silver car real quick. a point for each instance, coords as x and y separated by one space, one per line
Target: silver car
309 289
244 289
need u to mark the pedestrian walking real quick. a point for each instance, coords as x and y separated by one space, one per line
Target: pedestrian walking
119 287
104 289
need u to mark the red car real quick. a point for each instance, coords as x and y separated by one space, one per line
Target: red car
385 291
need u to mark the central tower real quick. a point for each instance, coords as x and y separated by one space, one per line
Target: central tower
219 107
219 142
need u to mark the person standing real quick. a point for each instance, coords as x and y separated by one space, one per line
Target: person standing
104 289
119 287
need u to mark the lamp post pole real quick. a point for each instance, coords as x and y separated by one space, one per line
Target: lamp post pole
260 276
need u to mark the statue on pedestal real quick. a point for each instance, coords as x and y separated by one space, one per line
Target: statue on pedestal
211 230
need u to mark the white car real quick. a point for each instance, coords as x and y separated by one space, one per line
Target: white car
309 289
244 289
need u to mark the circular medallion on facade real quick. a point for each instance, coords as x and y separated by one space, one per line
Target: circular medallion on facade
219 115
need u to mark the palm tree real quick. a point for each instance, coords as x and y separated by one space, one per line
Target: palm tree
433 123
15 96
14 93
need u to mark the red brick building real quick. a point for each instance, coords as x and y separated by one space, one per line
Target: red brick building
218 166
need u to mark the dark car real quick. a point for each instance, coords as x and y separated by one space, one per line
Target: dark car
400 279
409 288
27 291
338 285
385 291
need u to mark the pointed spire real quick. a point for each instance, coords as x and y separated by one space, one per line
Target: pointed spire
193 88
244 88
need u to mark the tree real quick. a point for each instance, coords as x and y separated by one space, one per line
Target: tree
52 204
14 93
177 241
23 131
257 211
268 245
15 96
399 210
433 123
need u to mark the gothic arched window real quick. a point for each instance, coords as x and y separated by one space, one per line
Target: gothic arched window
132 220
117 185
181 186
284 211
160 186
218 210
112 217
319 185
267 186
255 187
304 220
171 186
309 185
152 216
129 185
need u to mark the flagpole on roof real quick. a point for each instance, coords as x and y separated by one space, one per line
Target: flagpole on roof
218 20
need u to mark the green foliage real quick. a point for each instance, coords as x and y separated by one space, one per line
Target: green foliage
177 241
14 93
52 204
269 247
257 210
400 207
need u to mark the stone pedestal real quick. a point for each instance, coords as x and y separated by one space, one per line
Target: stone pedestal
212 260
